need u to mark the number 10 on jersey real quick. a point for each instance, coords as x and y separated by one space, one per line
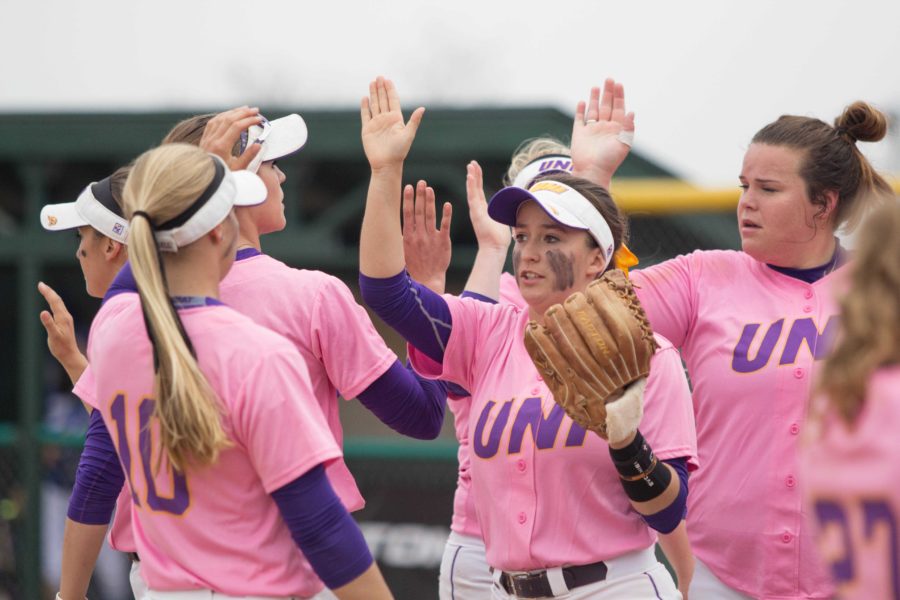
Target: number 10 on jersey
179 500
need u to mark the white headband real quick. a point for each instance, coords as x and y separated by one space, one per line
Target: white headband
227 189
553 163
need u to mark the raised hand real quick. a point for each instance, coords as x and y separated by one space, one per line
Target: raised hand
490 234
426 247
224 130
61 333
601 134
386 138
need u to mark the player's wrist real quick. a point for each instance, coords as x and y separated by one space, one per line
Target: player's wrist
594 174
390 167
641 474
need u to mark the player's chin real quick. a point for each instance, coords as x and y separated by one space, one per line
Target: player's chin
757 249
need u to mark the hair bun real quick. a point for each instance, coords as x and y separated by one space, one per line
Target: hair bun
862 122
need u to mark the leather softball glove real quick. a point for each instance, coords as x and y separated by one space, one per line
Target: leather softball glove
594 352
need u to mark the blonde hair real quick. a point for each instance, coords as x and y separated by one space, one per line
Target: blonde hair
531 150
870 315
163 183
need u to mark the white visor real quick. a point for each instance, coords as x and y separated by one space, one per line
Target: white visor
279 138
562 204
95 206
235 188
553 163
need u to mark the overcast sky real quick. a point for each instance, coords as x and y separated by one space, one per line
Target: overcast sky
702 76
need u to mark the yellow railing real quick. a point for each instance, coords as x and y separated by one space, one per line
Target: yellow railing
666 196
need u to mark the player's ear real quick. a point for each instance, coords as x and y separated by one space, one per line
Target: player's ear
112 249
829 208
217 233
596 264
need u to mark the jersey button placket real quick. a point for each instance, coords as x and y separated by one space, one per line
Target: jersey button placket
795 429
521 465
798 373
790 481
786 537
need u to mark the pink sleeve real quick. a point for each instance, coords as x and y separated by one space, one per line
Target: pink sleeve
668 423
666 292
85 388
279 423
345 341
480 332
509 291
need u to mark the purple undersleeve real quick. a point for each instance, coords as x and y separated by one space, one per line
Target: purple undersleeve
407 403
666 520
323 529
99 477
415 312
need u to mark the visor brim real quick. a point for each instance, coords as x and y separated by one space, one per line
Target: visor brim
249 189
287 135
60 217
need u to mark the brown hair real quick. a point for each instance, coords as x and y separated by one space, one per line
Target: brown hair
831 159
600 198
870 315
165 181
190 131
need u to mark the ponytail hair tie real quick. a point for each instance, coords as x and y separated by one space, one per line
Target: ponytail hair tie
140 213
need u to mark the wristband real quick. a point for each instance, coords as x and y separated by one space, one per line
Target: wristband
641 475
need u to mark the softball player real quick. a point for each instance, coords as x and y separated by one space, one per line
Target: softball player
849 459
102 230
555 520
315 311
102 251
228 423
752 327
464 571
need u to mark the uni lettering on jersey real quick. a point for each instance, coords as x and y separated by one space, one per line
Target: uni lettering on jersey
801 330
530 418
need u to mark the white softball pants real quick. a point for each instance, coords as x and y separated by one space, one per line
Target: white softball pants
465 574
706 586
211 595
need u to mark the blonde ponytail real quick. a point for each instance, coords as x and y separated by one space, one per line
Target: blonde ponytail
162 184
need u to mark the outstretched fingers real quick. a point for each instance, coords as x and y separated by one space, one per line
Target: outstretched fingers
409 211
446 217
606 102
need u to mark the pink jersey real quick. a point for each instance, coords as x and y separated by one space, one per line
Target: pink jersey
213 527
752 338
121 536
465 520
548 493
334 335
853 495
